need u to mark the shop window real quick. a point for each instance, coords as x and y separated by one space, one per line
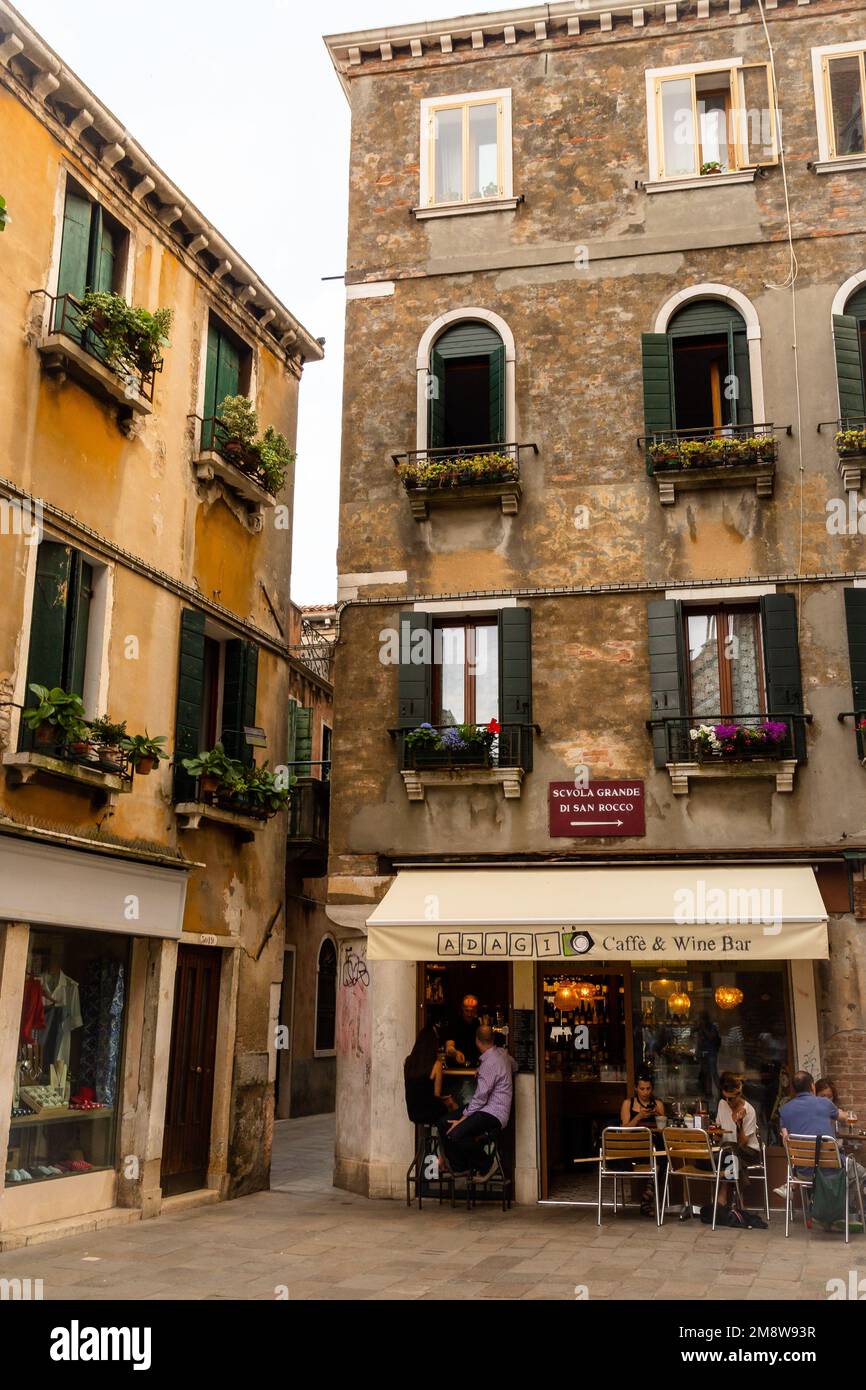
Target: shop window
692 1022
66 1088
466 388
711 120
466 148
63 633
228 372
216 695
326 999
466 679
725 668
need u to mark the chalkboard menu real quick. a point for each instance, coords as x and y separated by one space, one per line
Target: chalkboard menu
523 1039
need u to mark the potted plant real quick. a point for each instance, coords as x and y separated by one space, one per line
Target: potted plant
58 717
851 442
108 737
664 451
144 751
264 792
275 459
132 339
711 166
213 769
238 425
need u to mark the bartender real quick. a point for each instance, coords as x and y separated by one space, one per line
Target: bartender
460 1047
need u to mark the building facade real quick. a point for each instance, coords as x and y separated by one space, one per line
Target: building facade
146 554
604 400
307 1063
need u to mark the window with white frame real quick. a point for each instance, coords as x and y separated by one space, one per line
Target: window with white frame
710 119
840 91
466 148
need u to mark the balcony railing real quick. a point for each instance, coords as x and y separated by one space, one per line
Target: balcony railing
510 747
470 465
725 447
214 437
66 317
859 717
736 738
92 757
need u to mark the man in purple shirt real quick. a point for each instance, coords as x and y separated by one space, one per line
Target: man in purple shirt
488 1111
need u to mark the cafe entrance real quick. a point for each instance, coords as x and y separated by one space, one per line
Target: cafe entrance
587 1058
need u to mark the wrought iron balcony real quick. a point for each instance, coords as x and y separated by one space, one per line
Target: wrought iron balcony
464 745
125 382
850 440
728 456
729 746
859 717
466 474
309 816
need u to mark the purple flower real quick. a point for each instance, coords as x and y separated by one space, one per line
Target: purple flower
775 731
727 730
453 740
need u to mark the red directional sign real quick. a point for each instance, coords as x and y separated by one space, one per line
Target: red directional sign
613 807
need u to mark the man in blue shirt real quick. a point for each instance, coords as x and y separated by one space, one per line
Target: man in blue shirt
806 1113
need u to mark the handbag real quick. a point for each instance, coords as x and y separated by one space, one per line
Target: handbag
829 1191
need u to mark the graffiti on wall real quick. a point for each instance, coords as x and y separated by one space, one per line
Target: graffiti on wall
353 1005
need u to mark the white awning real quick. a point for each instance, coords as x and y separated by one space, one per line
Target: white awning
744 913
47 885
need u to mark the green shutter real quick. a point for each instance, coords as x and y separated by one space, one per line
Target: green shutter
849 367
415 678
782 663
239 697
497 396
436 401
741 369
291 734
515 686
855 621
222 376
667 680
47 622
80 596
190 697
74 250
228 379
658 386
103 254
303 741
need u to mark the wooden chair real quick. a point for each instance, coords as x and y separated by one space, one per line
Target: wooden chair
627 1144
800 1153
686 1149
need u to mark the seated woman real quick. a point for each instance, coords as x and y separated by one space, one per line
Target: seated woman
641 1109
422 1076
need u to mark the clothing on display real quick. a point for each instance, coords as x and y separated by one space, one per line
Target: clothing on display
63 1016
32 1009
102 1005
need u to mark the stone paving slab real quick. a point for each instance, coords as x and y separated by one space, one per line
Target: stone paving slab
326 1245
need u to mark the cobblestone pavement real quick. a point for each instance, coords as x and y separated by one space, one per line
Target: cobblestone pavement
308 1239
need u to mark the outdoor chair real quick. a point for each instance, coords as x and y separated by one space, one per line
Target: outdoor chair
691 1158
623 1145
800 1153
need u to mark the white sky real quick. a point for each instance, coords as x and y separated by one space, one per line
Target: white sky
239 104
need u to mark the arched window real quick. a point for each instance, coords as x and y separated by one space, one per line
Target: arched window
849 340
466 388
326 997
710 377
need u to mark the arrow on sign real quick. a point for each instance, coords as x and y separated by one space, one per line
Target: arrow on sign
597 822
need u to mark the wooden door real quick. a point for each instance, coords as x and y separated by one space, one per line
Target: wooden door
186 1141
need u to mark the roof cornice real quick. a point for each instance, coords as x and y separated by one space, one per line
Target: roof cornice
60 97
522 29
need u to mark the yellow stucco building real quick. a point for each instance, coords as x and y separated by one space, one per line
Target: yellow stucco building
145 557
